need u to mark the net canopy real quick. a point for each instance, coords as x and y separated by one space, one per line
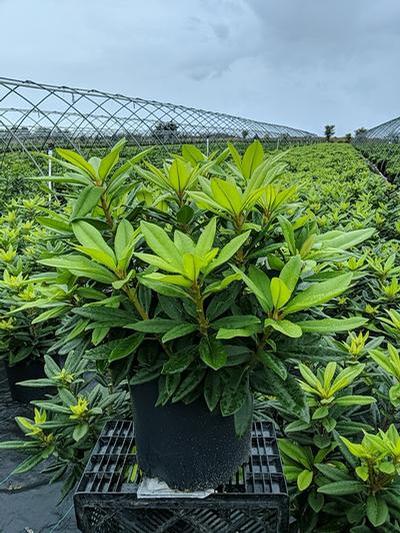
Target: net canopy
381 146
35 117
389 131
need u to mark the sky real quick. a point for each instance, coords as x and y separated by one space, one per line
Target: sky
301 63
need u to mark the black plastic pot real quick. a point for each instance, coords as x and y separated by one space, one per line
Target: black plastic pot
26 369
186 446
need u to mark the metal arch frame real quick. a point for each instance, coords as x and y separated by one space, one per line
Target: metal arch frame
386 136
33 115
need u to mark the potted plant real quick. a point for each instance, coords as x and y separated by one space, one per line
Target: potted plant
23 342
189 279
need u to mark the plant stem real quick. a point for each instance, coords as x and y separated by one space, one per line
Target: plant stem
106 209
132 295
201 317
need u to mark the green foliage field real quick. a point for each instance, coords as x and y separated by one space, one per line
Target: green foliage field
326 368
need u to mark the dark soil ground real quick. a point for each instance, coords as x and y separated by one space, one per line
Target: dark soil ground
28 504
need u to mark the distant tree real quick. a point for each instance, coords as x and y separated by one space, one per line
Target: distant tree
360 132
329 132
245 134
165 131
348 137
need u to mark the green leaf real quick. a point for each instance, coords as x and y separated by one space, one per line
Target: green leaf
82 267
236 321
315 501
91 238
297 425
109 161
192 154
76 160
124 237
53 407
213 387
288 233
230 333
213 353
355 515
355 399
98 256
158 240
342 488
56 223
206 239
185 214
163 288
290 273
387 467
304 479
51 367
286 327
80 431
252 158
155 325
179 331
244 416
344 240
18 444
319 293
345 377
269 360
146 374
279 292
235 155
262 281
189 384
260 290
377 510
333 473
227 195
228 251
235 392
294 452
125 347
88 199
178 362
331 325
29 463
37 383
287 391
321 412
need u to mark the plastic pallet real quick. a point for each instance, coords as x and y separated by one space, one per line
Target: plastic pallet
254 501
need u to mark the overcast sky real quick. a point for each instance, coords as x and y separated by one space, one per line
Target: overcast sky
302 63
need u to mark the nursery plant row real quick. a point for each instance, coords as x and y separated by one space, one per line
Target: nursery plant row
385 155
244 283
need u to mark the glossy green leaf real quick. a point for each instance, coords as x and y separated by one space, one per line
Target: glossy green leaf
290 329
87 200
178 331
342 488
304 479
126 346
377 510
331 325
81 266
213 353
319 293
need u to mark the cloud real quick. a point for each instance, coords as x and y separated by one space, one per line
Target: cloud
301 63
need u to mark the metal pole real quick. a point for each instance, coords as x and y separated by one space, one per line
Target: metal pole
50 154
208 146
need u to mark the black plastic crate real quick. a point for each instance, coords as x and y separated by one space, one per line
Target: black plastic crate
254 501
